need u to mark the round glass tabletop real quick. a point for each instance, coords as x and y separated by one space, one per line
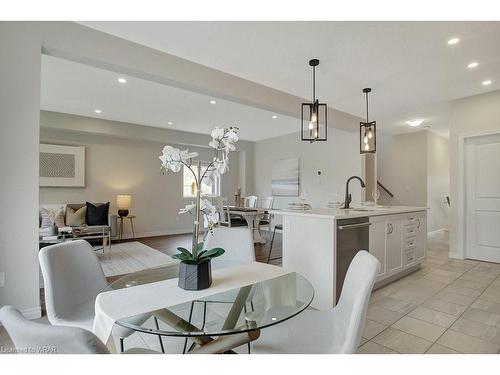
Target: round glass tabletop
244 309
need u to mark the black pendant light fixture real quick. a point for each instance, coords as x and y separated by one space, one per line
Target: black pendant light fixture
313 115
367 131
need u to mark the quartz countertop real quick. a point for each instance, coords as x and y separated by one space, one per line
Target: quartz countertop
355 211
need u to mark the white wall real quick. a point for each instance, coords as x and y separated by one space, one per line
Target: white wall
402 168
117 165
337 159
472 115
20 66
438 181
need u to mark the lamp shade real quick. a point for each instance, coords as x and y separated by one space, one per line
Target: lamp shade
123 202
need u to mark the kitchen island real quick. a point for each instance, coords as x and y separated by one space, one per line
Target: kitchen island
319 244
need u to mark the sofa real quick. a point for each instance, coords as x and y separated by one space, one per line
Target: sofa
112 218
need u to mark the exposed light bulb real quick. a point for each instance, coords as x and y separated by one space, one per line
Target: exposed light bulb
314 117
367 147
370 134
365 139
311 125
315 134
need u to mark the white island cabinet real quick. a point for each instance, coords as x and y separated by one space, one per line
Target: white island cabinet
396 236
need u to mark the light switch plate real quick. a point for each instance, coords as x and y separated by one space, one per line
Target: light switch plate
2 279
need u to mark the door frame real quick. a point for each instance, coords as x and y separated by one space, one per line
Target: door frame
461 189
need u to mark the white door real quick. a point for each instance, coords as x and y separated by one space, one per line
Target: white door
482 193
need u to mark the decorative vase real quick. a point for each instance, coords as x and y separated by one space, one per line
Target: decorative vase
53 230
195 276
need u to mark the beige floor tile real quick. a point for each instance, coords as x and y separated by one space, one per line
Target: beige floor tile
372 329
416 327
440 349
485 305
395 304
413 294
373 348
466 344
443 306
462 291
492 297
469 284
477 329
430 285
382 316
442 276
455 298
362 341
482 316
402 342
432 316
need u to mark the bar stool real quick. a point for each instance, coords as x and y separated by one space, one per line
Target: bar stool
276 227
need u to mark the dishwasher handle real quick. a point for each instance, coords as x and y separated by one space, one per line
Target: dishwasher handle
353 226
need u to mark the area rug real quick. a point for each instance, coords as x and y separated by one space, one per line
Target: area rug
130 257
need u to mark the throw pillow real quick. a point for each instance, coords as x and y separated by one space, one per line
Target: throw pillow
51 217
97 215
75 218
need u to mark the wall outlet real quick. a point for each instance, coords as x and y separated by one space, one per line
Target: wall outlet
2 279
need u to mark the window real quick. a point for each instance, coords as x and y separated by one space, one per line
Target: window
209 187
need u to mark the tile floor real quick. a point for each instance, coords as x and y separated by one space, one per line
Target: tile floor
448 306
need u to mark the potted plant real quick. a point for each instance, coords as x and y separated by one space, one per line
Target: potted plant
195 267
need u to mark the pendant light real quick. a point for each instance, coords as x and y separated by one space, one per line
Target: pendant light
313 115
367 131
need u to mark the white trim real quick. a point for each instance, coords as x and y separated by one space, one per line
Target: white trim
437 233
461 229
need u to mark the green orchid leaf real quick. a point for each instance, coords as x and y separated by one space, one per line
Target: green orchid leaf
213 253
184 251
200 246
183 257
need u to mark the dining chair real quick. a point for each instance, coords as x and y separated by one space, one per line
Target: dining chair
266 218
337 331
250 201
73 278
225 217
276 227
239 248
31 337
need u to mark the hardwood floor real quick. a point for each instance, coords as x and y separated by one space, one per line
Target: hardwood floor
168 245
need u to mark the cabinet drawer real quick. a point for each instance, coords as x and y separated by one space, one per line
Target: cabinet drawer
409 257
410 230
410 219
410 242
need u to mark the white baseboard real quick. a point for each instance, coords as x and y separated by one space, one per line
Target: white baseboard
128 236
438 233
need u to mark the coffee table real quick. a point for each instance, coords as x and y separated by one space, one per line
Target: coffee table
81 233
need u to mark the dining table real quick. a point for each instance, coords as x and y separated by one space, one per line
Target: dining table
252 217
244 298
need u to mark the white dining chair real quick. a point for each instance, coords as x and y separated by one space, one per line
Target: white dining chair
335 331
225 218
266 219
31 337
250 201
73 278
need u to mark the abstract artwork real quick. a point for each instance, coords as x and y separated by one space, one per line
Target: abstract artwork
285 178
62 166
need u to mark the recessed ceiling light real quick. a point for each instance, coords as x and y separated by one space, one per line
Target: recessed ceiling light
274 116
453 41
487 82
414 123
473 65
122 80
97 110
170 123
212 102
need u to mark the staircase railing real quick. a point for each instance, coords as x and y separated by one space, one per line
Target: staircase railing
385 189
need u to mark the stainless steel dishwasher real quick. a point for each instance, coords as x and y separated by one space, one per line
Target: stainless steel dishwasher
352 236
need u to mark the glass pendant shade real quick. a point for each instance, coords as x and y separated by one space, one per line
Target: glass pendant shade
367 131
314 123
367 137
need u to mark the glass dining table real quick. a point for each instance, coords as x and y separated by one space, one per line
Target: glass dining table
219 322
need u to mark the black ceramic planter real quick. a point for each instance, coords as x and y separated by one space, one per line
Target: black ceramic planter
195 276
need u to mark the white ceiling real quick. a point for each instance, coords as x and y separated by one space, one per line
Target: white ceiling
412 70
79 89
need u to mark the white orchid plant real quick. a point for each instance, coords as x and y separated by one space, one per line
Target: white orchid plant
173 159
